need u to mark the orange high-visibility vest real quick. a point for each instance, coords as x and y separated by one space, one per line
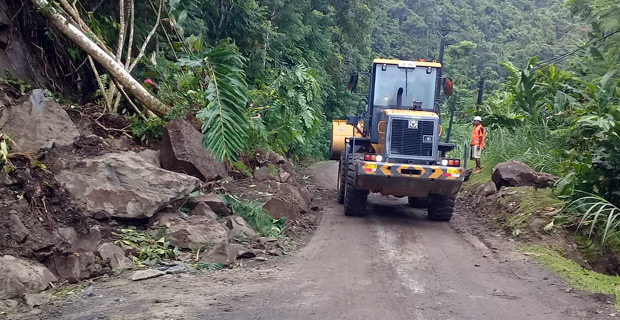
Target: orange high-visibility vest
478 136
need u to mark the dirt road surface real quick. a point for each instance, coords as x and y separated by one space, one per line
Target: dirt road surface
391 264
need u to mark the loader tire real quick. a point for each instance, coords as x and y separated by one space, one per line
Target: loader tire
441 208
354 199
419 203
341 180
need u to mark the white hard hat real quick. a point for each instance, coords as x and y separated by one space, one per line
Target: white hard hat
477 118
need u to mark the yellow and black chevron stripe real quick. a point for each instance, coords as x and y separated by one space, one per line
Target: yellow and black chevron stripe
407 170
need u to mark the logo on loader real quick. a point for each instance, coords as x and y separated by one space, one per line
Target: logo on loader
413 124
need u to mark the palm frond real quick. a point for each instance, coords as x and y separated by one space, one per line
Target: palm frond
225 120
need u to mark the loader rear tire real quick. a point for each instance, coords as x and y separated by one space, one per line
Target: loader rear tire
441 208
342 179
354 199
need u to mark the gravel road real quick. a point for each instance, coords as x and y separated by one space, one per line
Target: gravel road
391 264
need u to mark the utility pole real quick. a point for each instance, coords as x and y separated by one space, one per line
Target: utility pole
442 49
480 93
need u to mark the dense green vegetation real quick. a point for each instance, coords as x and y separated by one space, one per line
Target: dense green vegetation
291 59
272 74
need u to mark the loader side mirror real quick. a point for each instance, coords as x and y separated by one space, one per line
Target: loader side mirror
448 86
352 120
353 81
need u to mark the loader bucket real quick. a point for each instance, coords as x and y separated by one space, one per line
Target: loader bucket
340 131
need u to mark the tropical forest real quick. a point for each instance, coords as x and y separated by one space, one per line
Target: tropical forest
193 141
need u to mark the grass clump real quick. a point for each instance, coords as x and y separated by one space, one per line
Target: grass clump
574 275
255 216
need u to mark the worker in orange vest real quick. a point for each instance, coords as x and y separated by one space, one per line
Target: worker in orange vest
478 136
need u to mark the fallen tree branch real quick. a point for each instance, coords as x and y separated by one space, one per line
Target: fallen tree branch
115 69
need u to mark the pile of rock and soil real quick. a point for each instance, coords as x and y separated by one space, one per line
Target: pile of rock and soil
519 203
76 182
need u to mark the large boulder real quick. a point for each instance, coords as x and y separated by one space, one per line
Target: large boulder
278 208
19 276
36 122
518 174
74 267
125 185
182 151
195 232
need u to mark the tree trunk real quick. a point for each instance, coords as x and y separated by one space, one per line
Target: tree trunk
114 68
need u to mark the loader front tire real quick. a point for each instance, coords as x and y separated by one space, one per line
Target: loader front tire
354 199
342 180
441 208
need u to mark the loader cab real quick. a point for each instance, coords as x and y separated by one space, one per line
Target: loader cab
399 85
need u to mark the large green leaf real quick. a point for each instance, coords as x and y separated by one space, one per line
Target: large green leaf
224 116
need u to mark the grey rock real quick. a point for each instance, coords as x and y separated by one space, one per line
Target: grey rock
284 176
37 299
275 252
19 276
518 174
264 240
8 305
74 267
486 189
243 252
146 274
179 268
6 180
122 144
115 256
204 210
182 151
195 232
262 174
125 185
278 208
299 195
151 156
287 166
237 226
35 122
88 291
18 230
213 201
166 218
69 239
222 254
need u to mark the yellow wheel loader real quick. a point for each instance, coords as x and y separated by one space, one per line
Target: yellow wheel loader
395 148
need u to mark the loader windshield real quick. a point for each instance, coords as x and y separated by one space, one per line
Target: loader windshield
398 88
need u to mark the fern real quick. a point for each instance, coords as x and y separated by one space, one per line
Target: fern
225 121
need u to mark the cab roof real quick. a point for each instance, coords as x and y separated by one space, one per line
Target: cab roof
430 64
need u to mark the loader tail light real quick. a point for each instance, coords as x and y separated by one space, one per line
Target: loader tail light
373 157
451 162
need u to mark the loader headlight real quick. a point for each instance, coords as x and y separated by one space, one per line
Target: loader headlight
379 158
444 162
